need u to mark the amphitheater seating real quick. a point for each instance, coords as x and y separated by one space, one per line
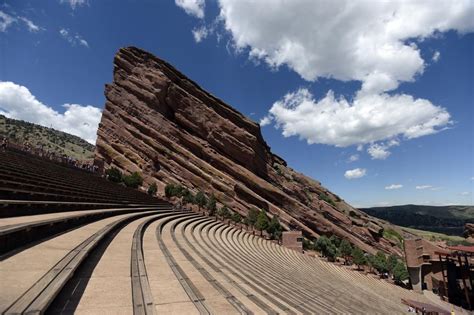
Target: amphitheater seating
97 247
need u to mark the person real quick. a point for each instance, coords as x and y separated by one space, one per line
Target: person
4 143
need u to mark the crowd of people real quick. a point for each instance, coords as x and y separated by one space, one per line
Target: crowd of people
41 151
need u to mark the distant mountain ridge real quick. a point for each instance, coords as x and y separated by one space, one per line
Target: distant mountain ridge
445 219
17 131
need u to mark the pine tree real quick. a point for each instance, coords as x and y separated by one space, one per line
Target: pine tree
236 217
187 196
201 200
169 189
345 249
211 205
251 217
358 257
391 263
274 228
380 262
262 222
400 272
152 189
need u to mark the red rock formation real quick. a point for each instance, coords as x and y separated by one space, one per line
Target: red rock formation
162 124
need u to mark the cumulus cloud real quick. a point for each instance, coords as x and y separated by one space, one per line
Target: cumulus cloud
192 7
422 187
73 39
393 187
353 158
379 151
355 173
366 119
74 3
200 33
16 101
374 43
436 56
346 40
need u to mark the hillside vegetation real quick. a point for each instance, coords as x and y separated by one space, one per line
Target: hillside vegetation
18 131
444 219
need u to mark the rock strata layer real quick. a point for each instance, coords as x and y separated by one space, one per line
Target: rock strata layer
160 123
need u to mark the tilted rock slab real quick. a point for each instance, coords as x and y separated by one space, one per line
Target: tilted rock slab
160 123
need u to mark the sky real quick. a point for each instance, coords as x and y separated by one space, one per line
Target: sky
373 99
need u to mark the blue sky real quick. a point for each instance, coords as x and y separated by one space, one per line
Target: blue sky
398 129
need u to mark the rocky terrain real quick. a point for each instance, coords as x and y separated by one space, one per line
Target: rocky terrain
160 123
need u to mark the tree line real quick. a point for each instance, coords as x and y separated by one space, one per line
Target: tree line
333 247
257 219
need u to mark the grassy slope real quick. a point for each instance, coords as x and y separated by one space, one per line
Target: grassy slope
56 141
433 236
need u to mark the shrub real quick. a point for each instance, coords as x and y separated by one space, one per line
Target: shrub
392 262
326 247
211 205
152 189
251 217
335 240
224 212
380 262
262 221
236 217
274 228
345 249
392 234
358 257
114 175
201 200
133 180
178 190
169 189
400 272
323 196
187 196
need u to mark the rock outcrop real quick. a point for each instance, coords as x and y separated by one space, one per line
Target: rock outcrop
160 123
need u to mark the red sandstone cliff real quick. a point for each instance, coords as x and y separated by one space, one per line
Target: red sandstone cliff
162 124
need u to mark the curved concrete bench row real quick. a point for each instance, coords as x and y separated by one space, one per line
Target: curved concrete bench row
33 278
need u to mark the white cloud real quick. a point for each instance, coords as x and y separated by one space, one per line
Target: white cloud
32 27
17 102
366 41
192 7
6 21
355 173
74 3
436 56
373 42
465 193
422 187
265 121
366 119
73 39
379 151
393 186
200 33
472 178
353 158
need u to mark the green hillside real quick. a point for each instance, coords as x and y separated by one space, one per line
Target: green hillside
444 219
53 140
